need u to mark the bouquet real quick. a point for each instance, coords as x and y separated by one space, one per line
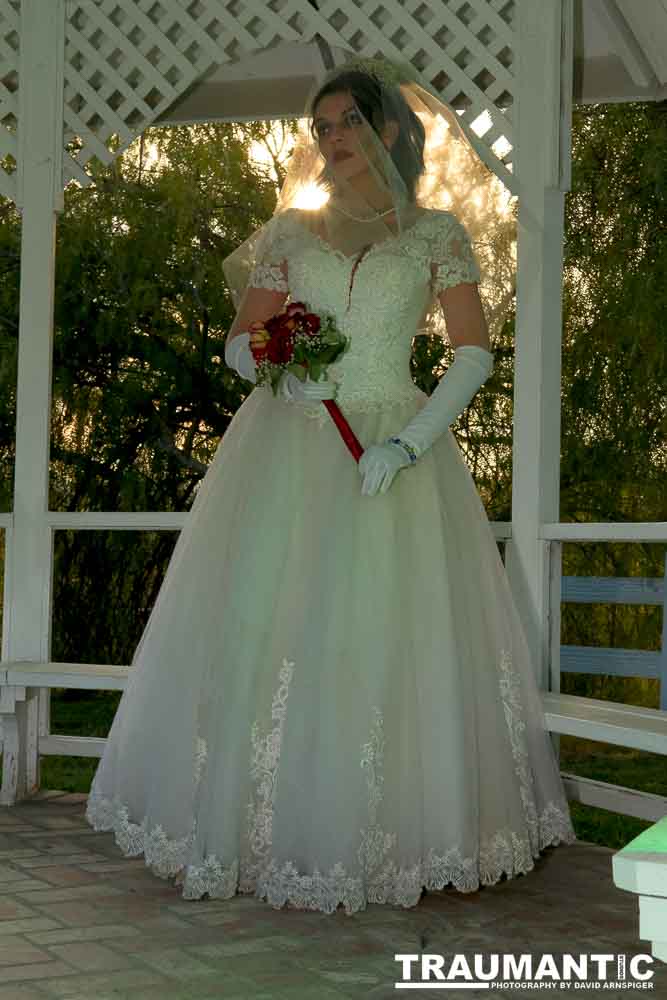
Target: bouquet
303 343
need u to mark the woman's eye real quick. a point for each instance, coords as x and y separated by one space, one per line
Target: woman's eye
354 118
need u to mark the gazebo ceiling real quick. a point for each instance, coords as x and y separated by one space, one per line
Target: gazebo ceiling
620 50
620 55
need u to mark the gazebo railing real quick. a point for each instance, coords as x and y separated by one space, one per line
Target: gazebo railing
618 662
25 687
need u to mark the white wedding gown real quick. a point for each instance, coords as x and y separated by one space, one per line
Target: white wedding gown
332 701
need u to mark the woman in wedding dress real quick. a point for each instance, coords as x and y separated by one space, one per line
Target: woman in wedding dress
333 702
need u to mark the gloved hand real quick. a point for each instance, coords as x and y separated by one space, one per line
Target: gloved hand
293 390
379 464
238 356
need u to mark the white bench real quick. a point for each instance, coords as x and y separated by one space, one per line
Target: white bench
641 867
23 740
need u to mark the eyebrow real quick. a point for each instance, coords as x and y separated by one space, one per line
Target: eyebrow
321 118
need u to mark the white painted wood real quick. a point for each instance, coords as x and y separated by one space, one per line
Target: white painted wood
464 54
20 766
648 22
100 677
72 746
164 521
12 779
38 195
641 866
644 874
536 453
554 627
606 721
652 917
606 531
7 523
38 177
623 42
616 798
117 520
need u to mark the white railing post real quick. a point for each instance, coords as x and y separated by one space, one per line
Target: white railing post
39 197
542 159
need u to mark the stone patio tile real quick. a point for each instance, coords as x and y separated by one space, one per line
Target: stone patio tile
177 963
70 935
260 966
160 922
27 926
29 859
40 970
15 951
65 876
11 909
10 843
185 938
25 884
128 983
68 894
8 874
231 949
103 865
18 992
87 956
73 914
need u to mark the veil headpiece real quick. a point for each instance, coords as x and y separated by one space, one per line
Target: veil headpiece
410 154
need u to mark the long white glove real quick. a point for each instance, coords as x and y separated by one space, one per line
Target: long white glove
379 464
239 357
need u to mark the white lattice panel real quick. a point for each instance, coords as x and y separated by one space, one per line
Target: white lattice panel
9 81
127 61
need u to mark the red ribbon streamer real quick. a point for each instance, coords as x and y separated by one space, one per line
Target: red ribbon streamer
344 429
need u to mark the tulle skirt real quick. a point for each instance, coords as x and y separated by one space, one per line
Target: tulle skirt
332 701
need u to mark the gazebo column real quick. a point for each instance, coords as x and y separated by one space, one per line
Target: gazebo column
542 168
39 198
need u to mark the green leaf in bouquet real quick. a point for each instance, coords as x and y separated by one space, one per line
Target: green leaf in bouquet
299 370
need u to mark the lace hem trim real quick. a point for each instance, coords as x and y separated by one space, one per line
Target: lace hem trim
504 853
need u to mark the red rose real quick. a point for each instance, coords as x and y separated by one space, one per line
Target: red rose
274 324
311 323
279 349
295 309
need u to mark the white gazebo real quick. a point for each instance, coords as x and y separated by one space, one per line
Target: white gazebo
104 70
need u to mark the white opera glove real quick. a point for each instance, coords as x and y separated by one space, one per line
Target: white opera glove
379 464
293 390
238 356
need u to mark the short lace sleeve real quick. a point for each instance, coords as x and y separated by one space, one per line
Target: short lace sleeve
270 269
453 261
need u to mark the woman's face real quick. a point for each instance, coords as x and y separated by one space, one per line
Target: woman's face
344 136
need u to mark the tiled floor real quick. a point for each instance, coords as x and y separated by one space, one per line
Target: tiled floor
78 921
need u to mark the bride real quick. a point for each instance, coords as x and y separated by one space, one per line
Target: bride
333 702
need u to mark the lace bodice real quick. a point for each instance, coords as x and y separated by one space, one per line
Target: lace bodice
378 299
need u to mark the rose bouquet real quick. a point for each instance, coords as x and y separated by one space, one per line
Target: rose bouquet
304 343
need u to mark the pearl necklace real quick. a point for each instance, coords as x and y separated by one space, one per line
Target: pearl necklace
356 218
